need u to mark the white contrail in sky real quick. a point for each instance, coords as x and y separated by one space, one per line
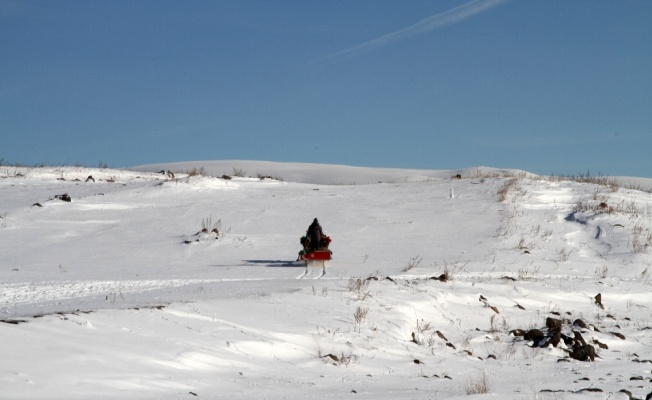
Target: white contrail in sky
452 16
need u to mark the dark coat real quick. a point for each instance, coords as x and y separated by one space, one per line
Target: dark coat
315 234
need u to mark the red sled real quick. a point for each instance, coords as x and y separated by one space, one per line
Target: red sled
317 255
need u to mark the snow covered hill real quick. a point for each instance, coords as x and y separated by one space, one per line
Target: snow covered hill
434 282
316 173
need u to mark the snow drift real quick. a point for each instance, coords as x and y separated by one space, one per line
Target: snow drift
435 278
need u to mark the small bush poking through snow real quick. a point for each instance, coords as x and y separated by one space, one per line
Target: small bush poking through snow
479 385
239 172
342 359
274 178
499 324
641 239
208 226
525 274
563 255
414 262
195 172
359 287
502 192
360 314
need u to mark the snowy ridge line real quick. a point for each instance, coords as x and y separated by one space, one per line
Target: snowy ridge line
322 174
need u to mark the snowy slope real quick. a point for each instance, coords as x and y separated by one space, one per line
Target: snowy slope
121 297
315 173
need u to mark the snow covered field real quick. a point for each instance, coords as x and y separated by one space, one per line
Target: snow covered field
117 293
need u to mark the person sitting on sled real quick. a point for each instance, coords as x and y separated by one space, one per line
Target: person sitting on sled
315 234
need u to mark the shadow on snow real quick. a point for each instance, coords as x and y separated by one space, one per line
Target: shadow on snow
277 263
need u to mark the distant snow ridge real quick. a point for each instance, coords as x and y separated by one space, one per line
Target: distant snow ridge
321 174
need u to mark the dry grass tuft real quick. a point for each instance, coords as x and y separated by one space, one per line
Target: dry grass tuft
641 239
480 385
360 314
502 192
239 172
359 287
414 262
197 172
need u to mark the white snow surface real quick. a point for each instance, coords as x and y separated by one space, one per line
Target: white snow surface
312 173
118 293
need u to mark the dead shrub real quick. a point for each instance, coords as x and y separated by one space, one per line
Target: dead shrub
479 385
414 262
197 172
502 192
359 286
239 172
360 314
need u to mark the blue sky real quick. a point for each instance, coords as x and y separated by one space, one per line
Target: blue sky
559 86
